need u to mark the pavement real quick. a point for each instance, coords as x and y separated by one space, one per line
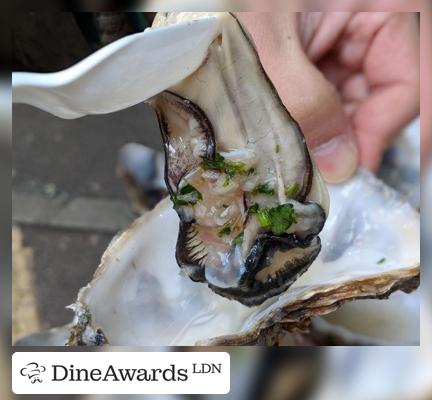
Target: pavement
68 204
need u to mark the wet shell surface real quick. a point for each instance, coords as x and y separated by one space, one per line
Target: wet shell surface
139 297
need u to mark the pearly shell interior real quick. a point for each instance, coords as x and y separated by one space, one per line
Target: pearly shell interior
139 297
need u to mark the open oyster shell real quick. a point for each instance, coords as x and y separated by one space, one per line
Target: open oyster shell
138 297
250 201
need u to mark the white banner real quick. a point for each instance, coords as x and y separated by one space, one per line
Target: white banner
121 373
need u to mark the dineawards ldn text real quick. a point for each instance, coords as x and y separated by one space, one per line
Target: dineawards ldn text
112 374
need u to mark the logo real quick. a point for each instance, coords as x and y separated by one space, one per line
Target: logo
32 371
120 372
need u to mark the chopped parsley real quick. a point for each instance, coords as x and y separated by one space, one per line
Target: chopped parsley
224 231
238 239
189 189
226 181
381 261
277 148
253 209
178 202
277 219
264 217
264 189
252 171
292 190
219 164
187 196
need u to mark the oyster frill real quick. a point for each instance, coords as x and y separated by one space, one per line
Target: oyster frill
250 201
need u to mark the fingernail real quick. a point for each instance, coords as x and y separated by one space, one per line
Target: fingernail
337 159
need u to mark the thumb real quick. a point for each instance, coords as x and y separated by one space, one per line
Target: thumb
311 99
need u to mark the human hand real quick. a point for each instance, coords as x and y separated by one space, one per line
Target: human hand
351 80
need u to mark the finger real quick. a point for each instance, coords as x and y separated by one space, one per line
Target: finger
315 104
391 67
386 112
355 88
337 159
426 93
308 95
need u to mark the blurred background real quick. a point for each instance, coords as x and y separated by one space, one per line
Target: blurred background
69 201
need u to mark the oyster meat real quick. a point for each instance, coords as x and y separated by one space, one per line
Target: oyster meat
250 200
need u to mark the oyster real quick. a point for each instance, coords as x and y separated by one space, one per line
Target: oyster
137 298
250 200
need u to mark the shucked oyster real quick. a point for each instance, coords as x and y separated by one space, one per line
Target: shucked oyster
137 298
250 201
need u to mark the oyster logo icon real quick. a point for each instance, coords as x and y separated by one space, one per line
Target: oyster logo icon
33 371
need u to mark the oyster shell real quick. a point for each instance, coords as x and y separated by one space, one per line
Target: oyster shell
137 298
372 322
250 201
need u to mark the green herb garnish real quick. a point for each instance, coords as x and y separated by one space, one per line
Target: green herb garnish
238 239
189 189
226 230
252 171
292 190
277 149
264 217
187 196
282 217
219 164
235 168
265 189
253 209
178 202
277 219
381 261
226 181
